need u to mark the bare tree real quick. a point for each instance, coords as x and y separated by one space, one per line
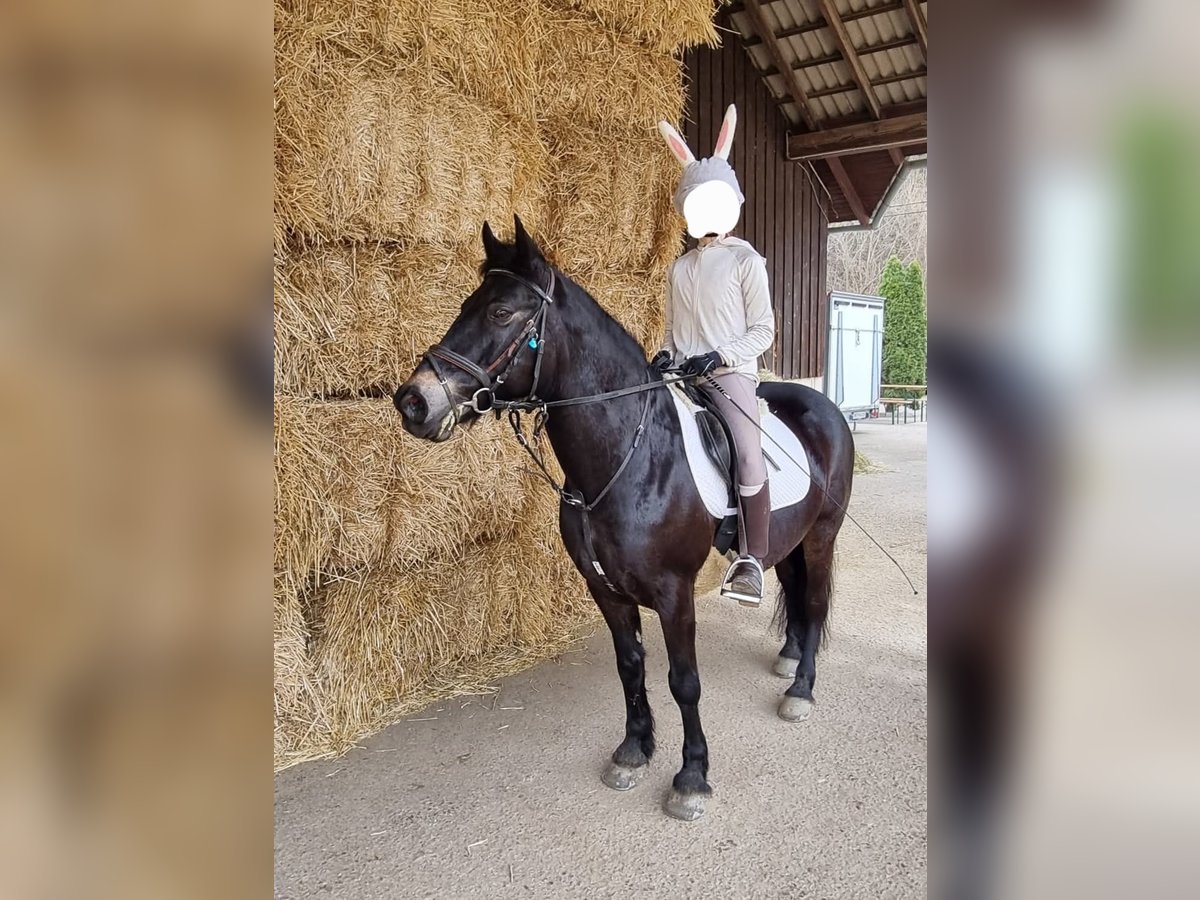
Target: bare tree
857 258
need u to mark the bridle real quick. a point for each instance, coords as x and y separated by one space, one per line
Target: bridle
484 399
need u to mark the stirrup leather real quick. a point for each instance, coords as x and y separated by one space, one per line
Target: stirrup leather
743 598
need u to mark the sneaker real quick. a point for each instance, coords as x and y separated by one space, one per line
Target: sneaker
744 582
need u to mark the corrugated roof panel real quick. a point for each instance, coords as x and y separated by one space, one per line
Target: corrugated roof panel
768 11
848 6
812 44
789 13
898 21
883 27
809 9
759 56
792 52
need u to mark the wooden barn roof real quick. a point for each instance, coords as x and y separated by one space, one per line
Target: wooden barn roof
850 77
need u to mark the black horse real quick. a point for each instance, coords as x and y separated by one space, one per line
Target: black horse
528 328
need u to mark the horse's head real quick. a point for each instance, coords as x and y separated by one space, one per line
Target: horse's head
491 350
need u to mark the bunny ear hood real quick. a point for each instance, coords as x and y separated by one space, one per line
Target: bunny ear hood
702 172
709 196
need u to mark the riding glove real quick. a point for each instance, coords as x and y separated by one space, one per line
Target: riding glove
662 361
701 365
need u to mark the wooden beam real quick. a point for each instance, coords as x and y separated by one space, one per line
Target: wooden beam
898 132
847 186
842 37
907 108
897 156
818 24
791 80
919 26
878 82
815 61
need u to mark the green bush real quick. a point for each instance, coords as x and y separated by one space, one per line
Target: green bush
904 325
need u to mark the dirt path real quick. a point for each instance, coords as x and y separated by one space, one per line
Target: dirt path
465 800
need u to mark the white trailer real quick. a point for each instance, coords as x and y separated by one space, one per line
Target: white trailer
854 361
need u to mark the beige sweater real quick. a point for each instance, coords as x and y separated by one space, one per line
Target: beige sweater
718 299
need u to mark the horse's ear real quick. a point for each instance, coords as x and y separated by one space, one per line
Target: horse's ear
527 247
491 246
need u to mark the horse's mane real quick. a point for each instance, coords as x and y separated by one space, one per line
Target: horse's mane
537 268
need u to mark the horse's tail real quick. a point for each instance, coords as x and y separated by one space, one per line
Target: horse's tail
811 596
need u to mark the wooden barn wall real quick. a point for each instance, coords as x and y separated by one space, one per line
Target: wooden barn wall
783 217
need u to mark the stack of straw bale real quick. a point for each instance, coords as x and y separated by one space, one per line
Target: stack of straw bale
406 571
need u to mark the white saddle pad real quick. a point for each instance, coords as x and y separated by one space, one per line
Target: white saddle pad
789 482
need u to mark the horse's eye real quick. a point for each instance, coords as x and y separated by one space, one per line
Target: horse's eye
500 315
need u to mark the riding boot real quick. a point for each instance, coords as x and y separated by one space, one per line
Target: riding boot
744 580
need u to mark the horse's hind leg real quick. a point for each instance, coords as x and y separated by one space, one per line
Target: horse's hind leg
809 611
793 577
690 787
630 759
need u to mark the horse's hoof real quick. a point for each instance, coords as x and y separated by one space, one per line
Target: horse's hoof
785 668
795 709
685 807
623 778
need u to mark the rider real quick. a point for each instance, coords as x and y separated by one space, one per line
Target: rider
719 321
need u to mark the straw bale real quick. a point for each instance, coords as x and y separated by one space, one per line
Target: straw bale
352 317
611 197
665 25
300 719
365 150
591 75
352 489
390 641
488 48
635 299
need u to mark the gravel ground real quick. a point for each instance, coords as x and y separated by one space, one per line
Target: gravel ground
500 796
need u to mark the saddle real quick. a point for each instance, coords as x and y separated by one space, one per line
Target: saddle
717 441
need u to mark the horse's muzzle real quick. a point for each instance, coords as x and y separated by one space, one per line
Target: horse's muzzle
411 405
424 410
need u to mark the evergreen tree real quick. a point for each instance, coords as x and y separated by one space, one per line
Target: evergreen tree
904 324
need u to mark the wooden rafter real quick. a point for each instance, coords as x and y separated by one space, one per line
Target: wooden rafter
897 156
848 190
919 25
813 62
902 131
878 82
850 54
818 24
792 81
907 108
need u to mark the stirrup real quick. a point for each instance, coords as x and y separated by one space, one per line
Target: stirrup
742 597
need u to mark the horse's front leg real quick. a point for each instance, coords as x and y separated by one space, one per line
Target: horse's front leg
690 787
631 759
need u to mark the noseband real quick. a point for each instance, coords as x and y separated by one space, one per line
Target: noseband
530 336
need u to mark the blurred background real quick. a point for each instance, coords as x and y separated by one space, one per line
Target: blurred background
135 374
135 380
1064 310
